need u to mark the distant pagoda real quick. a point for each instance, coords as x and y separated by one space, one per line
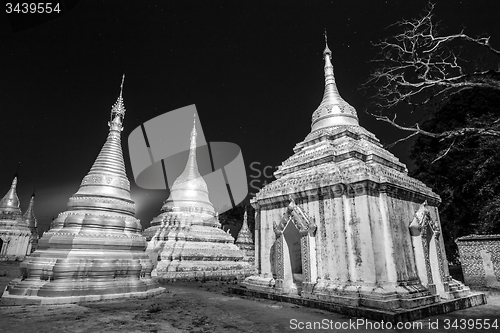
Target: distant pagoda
186 241
14 231
95 250
244 240
30 219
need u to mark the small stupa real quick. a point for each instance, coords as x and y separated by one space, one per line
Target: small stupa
186 241
244 240
31 221
94 250
14 231
343 223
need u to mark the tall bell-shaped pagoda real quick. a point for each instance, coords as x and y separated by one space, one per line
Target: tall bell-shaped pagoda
30 219
344 223
14 231
95 249
186 241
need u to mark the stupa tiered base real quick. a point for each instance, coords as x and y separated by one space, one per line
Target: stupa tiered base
41 293
55 276
188 251
400 315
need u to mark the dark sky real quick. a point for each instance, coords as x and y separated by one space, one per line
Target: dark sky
253 69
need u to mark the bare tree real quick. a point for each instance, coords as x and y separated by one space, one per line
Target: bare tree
421 68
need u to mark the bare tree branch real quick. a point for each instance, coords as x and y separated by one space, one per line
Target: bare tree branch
471 131
444 153
401 140
420 68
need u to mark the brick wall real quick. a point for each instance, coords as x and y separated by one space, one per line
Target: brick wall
480 258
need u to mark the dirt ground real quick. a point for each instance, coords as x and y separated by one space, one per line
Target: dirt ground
185 307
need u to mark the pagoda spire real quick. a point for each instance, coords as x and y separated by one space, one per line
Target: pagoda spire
333 109
29 215
244 235
107 174
244 240
190 189
191 170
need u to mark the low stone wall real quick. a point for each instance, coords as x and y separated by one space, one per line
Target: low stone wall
204 275
480 257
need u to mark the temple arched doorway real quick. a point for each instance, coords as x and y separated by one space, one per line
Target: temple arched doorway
294 251
292 258
425 239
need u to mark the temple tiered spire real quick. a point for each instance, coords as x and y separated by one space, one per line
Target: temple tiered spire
108 171
333 109
245 240
244 235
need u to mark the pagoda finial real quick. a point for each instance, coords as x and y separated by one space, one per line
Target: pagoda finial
327 49
118 111
192 142
16 175
121 86
333 109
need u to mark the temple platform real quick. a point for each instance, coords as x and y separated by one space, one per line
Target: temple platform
399 315
8 299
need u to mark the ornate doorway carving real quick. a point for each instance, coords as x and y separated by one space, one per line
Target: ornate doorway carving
295 251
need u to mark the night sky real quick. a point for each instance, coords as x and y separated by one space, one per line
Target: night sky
253 69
